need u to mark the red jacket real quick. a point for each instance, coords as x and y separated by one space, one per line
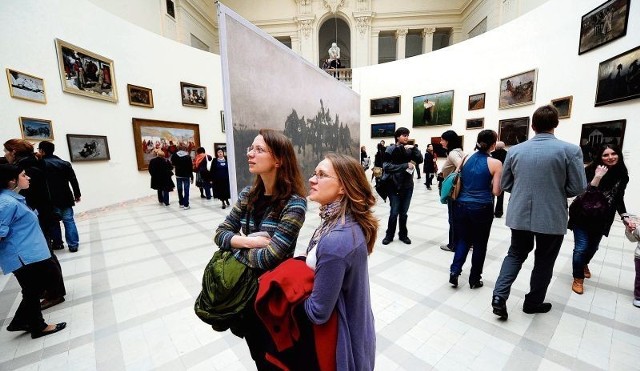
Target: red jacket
279 292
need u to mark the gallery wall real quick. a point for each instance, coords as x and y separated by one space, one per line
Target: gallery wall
545 39
27 32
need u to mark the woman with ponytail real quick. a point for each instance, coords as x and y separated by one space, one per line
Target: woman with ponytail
473 209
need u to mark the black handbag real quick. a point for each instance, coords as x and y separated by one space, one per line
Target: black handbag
592 205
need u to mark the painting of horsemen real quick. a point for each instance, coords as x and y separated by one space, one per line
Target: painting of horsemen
287 93
36 129
166 136
518 90
603 24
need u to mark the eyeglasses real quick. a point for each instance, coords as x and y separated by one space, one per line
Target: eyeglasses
257 150
321 175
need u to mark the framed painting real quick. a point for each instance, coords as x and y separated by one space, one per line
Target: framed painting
36 129
384 130
475 123
513 131
140 96
88 147
25 86
603 24
563 105
193 95
168 136
595 134
619 78
222 124
86 73
385 106
219 146
439 150
518 90
476 101
433 109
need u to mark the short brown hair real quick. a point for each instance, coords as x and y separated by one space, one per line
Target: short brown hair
544 119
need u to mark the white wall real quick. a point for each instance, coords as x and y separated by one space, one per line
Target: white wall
545 38
27 32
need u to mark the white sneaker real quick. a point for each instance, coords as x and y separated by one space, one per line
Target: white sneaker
636 303
181 206
186 207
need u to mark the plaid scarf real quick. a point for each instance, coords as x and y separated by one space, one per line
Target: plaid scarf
329 214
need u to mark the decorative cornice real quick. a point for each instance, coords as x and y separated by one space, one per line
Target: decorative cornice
303 2
428 31
402 32
305 24
333 5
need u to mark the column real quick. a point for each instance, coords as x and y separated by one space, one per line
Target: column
401 43
375 42
456 35
427 39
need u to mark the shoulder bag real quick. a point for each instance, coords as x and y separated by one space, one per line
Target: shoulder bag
452 184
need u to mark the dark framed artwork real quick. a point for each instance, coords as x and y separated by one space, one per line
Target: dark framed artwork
513 131
222 124
384 130
25 86
193 95
595 134
434 109
518 90
475 123
603 24
88 147
218 146
619 78
476 101
439 150
140 96
165 135
86 73
385 106
36 129
563 105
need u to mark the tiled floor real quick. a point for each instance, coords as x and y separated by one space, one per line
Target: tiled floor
132 285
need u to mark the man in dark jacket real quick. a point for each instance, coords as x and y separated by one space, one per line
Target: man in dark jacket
399 164
183 165
59 175
500 154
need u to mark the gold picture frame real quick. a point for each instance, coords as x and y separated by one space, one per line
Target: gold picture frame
165 135
140 96
563 105
36 129
25 86
193 95
86 73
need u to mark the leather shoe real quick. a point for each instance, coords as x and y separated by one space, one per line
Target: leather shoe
476 285
446 248
540 308
453 279
13 327
49 303
499 307
578 285
60 326
587 272
58 247
406 240
387 241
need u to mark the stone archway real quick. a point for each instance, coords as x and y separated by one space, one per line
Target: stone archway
334 29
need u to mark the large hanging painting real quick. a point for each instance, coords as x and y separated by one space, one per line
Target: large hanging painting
86 73
433 109
518 90
513 131
619 78
25 86
287 93
595 134
167 136
604 24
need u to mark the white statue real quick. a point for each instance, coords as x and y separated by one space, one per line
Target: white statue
334 52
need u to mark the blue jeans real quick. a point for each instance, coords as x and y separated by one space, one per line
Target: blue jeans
70 229
163 196
586 245
472 225
399 203
207 189
183 190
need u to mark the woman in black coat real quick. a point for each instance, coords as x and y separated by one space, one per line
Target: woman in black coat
161 171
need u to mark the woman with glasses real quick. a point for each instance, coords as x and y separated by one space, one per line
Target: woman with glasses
338 253
262 228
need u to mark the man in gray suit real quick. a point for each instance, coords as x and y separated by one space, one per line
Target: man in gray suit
540 174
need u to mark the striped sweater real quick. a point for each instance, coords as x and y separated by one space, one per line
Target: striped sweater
283 229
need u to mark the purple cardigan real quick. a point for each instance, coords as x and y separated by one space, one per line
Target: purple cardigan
342 282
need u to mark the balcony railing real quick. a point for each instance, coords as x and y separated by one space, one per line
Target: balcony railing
342 74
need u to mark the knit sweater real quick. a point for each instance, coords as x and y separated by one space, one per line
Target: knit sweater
283 228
